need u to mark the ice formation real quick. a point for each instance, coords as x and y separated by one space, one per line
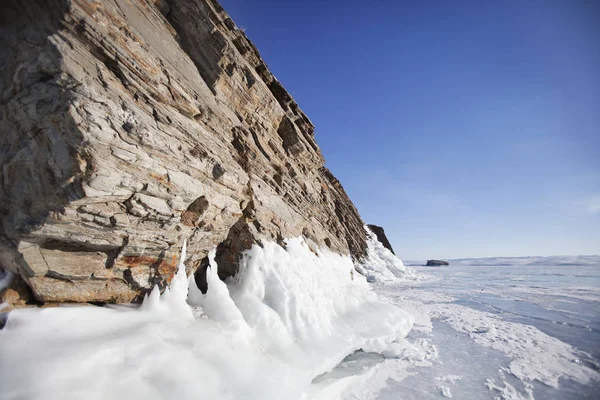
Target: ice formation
380 264
293 324
289 316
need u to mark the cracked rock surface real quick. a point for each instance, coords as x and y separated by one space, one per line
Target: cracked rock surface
131 125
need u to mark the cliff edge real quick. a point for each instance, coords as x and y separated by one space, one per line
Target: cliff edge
380 234
129 126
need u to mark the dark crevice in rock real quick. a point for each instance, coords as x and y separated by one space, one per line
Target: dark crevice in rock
309 138
156 279
128 127
99 303
203 44
112 255
257 143
112 64
218 171
192 216
240 44
142 291
240 145
128 276
62 277
249 78
200 275
278 178
229 69
73 246
198 152
280 94
263 72
240 238
290 137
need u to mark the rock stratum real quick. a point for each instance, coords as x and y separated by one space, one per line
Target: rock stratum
129 126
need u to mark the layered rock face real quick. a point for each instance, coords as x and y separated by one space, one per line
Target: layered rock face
129 126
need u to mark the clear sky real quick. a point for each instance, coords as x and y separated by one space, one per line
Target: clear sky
464 128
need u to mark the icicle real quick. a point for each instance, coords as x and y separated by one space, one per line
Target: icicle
151 302
173 299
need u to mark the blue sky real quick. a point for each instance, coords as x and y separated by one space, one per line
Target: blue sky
465 129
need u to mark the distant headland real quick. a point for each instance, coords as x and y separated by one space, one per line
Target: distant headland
436 263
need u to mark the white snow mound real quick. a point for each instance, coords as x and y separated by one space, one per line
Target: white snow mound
287 317
380 264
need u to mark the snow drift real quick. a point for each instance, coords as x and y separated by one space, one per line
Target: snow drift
287 317
380 264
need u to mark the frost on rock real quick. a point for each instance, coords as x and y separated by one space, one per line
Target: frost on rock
380 264
293 296
289 316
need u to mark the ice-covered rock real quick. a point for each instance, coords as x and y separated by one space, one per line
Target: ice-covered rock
380 264
381 236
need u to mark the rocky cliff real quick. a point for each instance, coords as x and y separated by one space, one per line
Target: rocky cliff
380 233
131 125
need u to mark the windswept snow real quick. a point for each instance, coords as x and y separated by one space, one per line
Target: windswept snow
289 316
534 355
486 328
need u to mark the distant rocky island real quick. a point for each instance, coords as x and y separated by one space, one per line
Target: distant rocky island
436 263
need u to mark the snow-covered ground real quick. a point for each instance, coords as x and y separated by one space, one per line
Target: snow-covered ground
299 325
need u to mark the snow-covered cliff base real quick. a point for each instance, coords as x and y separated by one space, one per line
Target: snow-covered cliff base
272 332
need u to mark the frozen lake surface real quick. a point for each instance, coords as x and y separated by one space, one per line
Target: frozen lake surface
509 332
